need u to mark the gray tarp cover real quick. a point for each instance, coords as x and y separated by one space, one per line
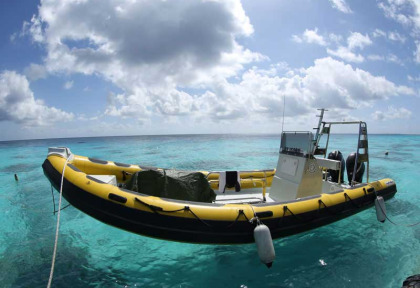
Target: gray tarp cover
172 184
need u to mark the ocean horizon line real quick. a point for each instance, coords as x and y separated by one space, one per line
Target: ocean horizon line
192 134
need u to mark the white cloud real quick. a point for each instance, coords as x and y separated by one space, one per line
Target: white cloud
395 36
378 33
17 103
297 39
68 85
259 94
392 35
392 58
342 81
414 79
392 113
375 57
160 41
150 49
328 83
35 72
417 53
335 38
394 10
357 40
406 12
354 41
346 54
128 106
157 52
310 36
34 29
341 6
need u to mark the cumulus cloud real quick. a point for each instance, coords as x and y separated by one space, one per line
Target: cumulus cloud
35 72
391 58
177 58
395 36
328 83
392 113
183 41
259 94
338 82
341 5
392 35
379 33
406 12
310 36
149 49
334 38
346 54
356 41
394 59
17 103
34 29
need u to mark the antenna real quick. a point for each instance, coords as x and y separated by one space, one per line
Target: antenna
284 108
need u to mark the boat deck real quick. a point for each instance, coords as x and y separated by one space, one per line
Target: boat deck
248 196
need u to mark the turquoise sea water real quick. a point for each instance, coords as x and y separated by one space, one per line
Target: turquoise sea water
355 252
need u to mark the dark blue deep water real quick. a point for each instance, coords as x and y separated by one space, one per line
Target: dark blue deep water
355 252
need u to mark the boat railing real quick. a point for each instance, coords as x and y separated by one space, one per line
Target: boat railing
362 153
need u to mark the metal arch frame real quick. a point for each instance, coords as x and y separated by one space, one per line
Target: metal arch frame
362 128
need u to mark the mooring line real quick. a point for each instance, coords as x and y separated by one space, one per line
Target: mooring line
392 222
58 225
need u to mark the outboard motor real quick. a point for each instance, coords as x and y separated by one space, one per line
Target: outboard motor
336 155
351 161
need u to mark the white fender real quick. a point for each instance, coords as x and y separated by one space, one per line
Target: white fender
264 243
380 209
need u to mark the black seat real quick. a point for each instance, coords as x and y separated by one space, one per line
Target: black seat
232 181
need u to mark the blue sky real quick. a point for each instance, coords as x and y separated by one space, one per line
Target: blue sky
95 68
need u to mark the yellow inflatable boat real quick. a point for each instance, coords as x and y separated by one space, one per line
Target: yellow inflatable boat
305 191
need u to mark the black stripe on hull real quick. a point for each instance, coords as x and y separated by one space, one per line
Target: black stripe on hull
192 230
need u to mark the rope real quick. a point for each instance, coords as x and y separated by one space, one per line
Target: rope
255 217
255 214
68 205
157 209
55 211
285 209
396 224
58 225
326 208
241 212
346 196
198 218
52 194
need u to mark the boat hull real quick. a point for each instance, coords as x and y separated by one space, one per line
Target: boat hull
194 222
